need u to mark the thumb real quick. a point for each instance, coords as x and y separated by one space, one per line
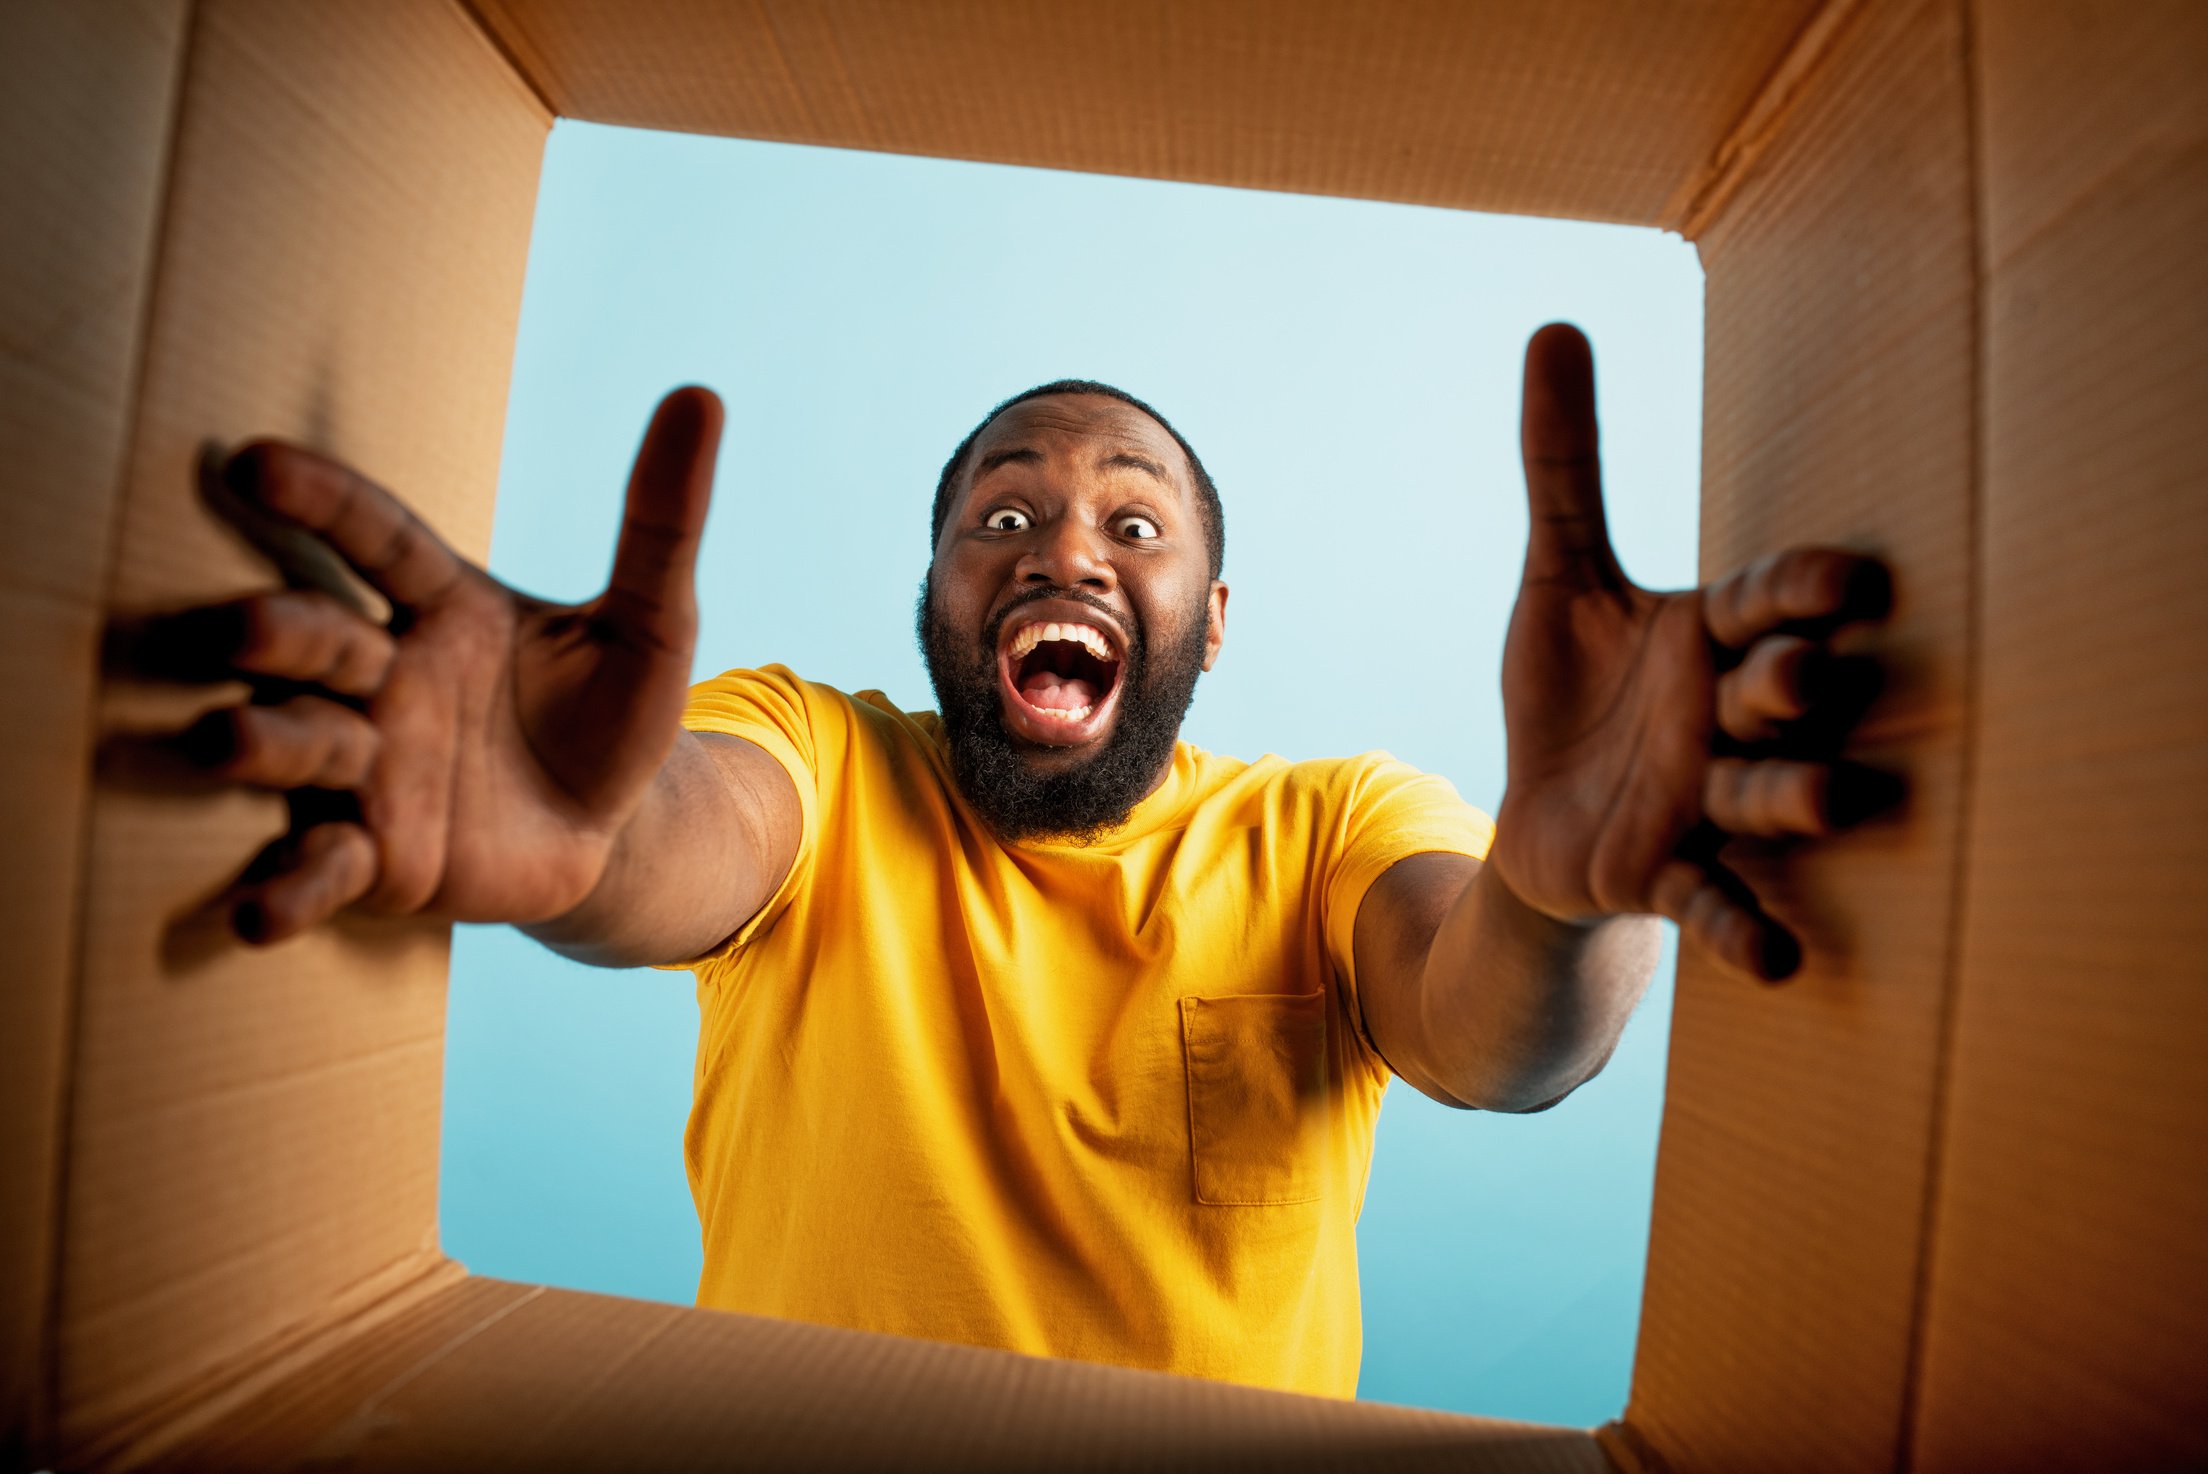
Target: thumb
652 599
1568 537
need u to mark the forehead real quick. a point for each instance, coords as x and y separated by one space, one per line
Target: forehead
1085 429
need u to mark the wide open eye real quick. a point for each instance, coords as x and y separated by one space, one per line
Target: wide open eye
1006 519
1135 527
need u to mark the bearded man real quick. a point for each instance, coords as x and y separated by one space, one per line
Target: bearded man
1026 1024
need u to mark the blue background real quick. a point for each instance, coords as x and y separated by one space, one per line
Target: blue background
1349 372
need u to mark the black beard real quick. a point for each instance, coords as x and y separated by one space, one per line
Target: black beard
1081 802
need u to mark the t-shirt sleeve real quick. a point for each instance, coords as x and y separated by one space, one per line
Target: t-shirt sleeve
1394 811
774 709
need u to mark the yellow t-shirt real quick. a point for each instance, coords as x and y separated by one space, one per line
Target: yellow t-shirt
1110 1101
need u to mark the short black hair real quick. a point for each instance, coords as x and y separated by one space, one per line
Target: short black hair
1207 495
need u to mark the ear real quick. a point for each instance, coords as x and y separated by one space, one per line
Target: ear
1215 625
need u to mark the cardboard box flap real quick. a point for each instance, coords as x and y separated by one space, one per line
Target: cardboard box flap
87 94
2069 1287
1838 408
1538 107
253 1134
488 1375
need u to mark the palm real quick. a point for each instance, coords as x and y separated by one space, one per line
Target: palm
1615 698
1607 692
556 734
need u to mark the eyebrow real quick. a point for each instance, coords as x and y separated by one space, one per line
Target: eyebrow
1028 455
1128 459
997 458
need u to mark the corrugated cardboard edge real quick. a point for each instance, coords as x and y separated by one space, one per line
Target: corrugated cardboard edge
194 1408
1703 195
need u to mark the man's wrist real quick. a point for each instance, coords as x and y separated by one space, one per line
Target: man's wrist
596 917
1543 996
1510 899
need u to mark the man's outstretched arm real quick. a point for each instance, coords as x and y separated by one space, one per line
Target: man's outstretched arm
712 840
1644 730
1478 1000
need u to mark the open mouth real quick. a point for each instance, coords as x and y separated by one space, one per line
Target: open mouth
1061 680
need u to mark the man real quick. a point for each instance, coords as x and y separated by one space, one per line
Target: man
1026 1024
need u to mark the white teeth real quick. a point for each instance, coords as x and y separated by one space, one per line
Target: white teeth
1068 714
1088 636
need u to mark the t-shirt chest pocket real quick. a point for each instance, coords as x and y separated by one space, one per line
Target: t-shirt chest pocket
1257 1096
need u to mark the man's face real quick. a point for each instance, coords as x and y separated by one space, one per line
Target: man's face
1067 614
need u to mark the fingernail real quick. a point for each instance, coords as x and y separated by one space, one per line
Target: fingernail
250 920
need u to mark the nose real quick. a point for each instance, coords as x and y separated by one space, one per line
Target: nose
1065 554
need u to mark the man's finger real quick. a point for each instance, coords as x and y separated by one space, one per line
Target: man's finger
302 635
1717 911
1568 537
331 866
306 742
652 599
1772 797
1806 589
371 529
1768 689
1766 798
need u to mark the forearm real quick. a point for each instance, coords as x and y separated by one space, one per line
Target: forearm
685 872
1515 1009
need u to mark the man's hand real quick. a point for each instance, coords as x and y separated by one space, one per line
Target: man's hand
492 745
1644 728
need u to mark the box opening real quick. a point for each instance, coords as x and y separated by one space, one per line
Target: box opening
1349 372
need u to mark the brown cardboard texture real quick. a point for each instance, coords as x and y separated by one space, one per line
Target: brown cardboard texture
86 95
1939 1204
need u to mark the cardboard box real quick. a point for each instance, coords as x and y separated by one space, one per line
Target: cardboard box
1940 1204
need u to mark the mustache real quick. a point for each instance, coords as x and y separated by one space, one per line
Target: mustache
1130 638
